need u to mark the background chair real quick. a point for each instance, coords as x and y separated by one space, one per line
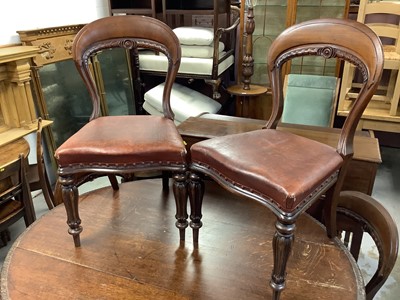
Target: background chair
383 18
358 213
310 99
284 172
207 53
121 145
15 197
37 174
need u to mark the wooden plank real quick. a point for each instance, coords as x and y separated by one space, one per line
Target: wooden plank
11 151
14 134
210 125
8 54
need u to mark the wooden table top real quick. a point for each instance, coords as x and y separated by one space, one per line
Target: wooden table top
366 148
14 134
11 151
130 250
255 90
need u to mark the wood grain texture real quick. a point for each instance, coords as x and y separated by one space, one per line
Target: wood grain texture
131 250
11 151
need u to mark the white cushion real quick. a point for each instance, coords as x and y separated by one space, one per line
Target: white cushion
148 61
185 102
154 112
200 51
194 35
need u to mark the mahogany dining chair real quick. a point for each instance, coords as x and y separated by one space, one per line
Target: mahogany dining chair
123 145
285 172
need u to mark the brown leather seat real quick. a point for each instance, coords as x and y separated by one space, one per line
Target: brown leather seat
283 184
121 145
285 172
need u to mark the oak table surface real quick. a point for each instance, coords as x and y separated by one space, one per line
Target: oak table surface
10 152
131 250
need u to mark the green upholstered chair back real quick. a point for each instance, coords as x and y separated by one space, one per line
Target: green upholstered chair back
310 99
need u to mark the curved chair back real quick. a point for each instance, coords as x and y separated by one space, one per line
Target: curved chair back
15 198
347 40
130 32
358 213
36 173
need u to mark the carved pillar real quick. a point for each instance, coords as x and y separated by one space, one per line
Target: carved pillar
16 101
19 74
248 60
246 91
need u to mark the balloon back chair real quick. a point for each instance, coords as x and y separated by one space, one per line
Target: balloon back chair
122 145
282 171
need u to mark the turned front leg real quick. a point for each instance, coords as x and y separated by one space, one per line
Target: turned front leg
282 246
70 197
180 193
196 193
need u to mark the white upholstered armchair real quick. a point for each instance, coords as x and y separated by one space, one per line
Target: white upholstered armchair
207 53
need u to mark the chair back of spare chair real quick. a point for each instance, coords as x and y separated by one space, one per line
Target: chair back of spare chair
130 32
39 150
383 18
347 40
358 213
36 173
15 197
310 99
44 181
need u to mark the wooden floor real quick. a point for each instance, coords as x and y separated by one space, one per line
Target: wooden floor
130 250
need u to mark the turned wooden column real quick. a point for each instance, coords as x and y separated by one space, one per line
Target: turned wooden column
246 92
248 60
16 99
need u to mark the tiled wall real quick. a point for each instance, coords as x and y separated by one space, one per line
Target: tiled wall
33 14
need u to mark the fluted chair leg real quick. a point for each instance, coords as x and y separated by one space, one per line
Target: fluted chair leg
181 195
196 193
70 197
282 246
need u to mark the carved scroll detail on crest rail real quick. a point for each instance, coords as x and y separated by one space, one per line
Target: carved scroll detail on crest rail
127 44
326 52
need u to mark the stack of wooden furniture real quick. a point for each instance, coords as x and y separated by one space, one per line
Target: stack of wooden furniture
383 112
17 119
